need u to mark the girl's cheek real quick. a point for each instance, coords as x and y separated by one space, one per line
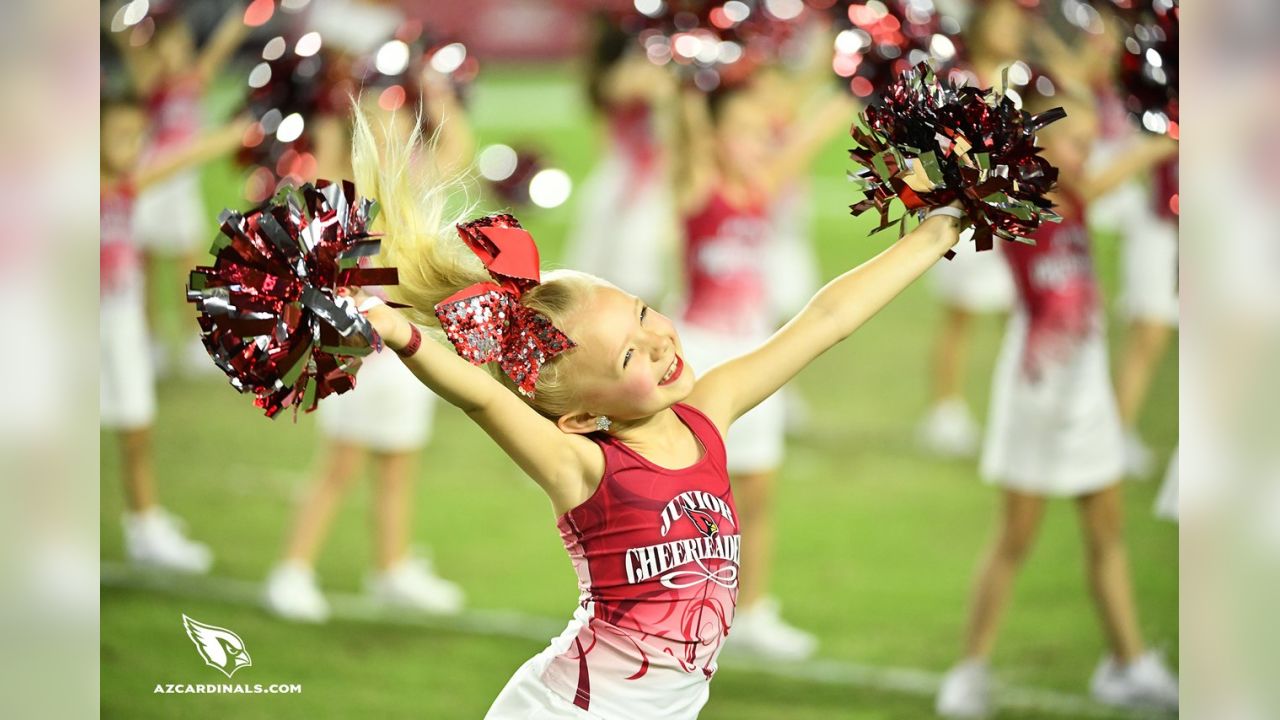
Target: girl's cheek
638 385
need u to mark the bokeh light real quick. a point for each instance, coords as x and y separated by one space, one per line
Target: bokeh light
550 188
497 162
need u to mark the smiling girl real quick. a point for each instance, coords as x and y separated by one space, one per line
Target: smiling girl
587 389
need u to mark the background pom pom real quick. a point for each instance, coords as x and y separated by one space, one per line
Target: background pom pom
268 308
1149 68
930 142
875 41
294 84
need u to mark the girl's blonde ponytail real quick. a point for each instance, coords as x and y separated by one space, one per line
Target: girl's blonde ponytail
420 241
418 229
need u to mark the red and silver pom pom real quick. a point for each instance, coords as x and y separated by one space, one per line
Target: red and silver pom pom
268 308
930 142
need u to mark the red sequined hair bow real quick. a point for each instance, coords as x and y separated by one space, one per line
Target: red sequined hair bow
485 321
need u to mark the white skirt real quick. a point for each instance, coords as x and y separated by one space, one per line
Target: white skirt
755 441
171 218
1149 249
979 282
1059 434
624 232
389 410
1149 260
126 379
526 697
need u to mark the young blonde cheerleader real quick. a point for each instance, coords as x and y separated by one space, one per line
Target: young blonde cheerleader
590 394
729 176
1055 432
127 380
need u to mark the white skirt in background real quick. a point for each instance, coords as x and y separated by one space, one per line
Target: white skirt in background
624 231
755 441
979 282
1148 252
389 410
1149 267
1057 435
126 378
170 218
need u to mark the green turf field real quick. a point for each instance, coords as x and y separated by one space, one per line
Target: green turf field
877 544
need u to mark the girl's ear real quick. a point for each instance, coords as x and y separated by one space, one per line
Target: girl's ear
582 423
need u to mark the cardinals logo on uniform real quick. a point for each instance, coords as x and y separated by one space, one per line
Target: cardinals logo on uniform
220 648
702 520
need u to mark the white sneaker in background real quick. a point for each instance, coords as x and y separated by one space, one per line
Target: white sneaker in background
154 538
1138 460
413 585
949 430
965 691
760 631
1145 682
293 594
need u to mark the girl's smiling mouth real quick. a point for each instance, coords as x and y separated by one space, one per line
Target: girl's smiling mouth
673 372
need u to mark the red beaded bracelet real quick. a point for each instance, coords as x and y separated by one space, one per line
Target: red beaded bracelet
415 342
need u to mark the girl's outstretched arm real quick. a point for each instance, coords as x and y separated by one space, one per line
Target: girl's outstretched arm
1146 154
230 32
455 144
727 391
807 138
567 467
695 162
205 148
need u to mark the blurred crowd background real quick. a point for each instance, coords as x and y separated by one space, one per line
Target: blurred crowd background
428 569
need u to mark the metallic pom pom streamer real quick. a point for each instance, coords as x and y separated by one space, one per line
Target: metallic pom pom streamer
268 310
1149 67
930 142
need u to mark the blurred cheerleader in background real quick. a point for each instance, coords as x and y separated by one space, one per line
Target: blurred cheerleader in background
728 175
784 89
171 76
127 402
388 416
973 283
625 228
1055 430
1140 211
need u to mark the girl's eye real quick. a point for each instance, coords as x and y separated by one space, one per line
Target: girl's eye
627 358
643 311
